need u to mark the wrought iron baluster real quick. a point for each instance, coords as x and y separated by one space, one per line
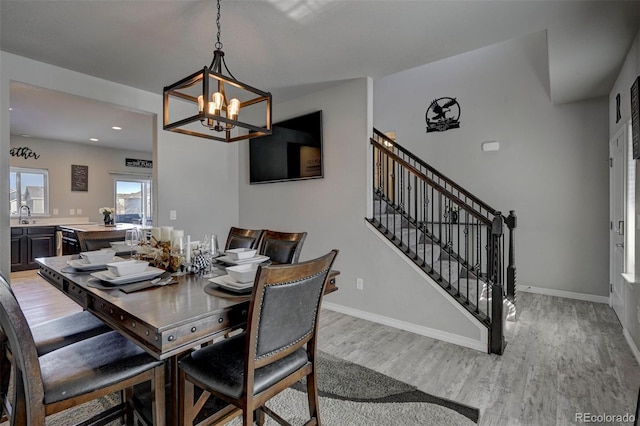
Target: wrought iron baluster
397 174
415 214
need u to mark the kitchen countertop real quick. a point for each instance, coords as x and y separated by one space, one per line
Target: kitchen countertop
99 227
47 221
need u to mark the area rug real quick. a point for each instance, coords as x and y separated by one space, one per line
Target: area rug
82 412
350 395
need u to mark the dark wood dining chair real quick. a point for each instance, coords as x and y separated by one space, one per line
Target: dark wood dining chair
277 349
59 332
282 247
71 375
243 238
96 240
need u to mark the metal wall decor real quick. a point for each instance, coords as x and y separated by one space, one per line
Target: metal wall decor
24 152
216 103
443 114
136 162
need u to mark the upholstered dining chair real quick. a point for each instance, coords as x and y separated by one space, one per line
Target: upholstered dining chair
71 375
243 238
96 240
282 247
277 349
57 333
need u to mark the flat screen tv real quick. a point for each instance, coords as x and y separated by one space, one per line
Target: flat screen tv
293 151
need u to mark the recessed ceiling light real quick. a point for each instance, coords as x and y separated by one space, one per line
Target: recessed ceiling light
10 109
117 128
94 139
26 136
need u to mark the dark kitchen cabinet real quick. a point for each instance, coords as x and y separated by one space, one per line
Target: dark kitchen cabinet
29 243
70 243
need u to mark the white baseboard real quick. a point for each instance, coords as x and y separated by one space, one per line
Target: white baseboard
413 328
631 344
562 293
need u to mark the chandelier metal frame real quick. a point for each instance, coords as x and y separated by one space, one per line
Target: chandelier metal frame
219 118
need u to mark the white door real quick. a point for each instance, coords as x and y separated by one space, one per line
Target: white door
617 150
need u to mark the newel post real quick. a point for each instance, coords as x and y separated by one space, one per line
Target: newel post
512 224
496 339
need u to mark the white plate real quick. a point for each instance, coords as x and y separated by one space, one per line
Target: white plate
228 283
255 259
107 276
83 265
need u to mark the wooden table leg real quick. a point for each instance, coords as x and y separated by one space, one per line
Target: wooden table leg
175 390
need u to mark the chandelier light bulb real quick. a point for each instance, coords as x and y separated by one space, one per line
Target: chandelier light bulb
217 101
200 103
233 110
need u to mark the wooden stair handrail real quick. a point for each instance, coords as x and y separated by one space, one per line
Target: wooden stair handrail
436 185
432 170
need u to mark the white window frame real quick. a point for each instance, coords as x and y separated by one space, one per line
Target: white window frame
144 180
18 171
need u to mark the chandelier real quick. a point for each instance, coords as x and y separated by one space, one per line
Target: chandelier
210 105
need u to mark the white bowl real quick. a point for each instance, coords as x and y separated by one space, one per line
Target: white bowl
241 253
98 256
127 267
243 273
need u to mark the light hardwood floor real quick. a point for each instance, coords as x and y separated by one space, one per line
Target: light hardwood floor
563 357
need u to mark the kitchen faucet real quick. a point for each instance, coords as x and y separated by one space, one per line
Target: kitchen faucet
20 219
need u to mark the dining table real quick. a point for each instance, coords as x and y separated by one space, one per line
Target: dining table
166 321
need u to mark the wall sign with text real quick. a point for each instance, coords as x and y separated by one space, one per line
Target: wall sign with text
135 162
24 152
79 178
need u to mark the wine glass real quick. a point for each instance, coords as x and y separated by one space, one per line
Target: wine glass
215 250
132 239
210 251
178 257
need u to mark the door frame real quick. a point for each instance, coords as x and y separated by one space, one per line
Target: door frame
613 225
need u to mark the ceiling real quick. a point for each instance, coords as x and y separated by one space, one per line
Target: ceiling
293 47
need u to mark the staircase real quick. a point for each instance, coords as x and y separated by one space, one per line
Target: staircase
460 242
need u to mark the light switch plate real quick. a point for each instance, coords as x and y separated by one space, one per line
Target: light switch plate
72 212
55 211
78 211
173 215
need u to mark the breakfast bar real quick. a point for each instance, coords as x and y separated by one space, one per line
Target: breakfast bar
69 234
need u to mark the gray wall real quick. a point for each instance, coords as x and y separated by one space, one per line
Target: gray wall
332 211
57 157
551 167
197 178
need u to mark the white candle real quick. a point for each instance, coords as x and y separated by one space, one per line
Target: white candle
165 233
176 233
188 254
156 233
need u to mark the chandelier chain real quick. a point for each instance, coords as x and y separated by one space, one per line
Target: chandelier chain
218 43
